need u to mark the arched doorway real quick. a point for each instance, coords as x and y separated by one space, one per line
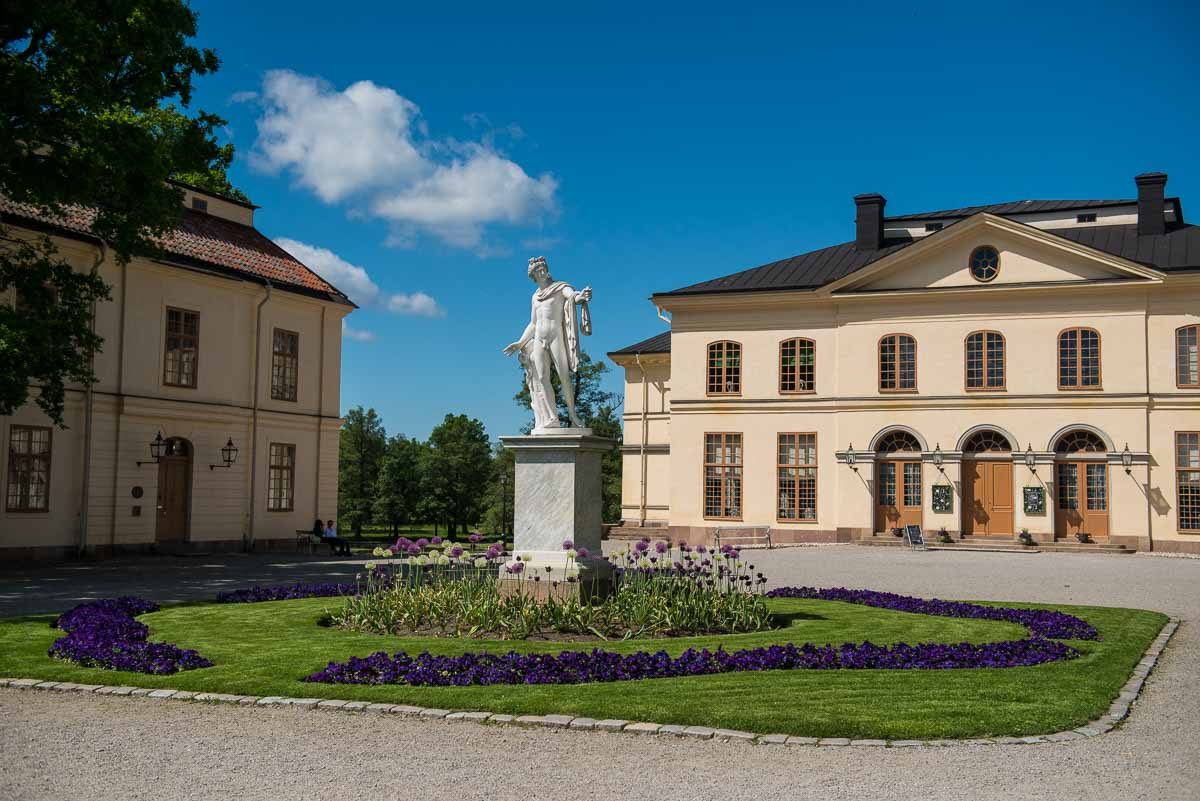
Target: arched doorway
1081 485
898 490
987 484
174 491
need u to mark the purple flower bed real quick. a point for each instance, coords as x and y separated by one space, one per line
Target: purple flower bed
288 592
105 634
579 667
1042 622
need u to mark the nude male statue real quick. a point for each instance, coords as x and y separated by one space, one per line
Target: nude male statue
552 337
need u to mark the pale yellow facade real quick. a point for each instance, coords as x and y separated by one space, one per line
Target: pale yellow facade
224 507
1045 284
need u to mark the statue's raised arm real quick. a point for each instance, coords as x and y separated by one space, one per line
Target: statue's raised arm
551 340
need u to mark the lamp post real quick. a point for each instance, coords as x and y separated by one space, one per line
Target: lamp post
504 500
937 457
156 450
852 458
228 455
1030 459
1127 459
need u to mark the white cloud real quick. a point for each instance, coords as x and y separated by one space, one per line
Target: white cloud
357 284
243 97
367 146
357 334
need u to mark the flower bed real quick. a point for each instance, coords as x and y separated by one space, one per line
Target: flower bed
106 634
286 592
1042 622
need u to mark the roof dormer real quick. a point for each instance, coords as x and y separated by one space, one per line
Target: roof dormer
217 205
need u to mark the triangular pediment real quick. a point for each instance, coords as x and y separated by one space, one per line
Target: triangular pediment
1028 256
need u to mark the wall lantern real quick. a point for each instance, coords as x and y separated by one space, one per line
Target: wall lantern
1030 459
1127 459
937 457
852 458
156 450
228 455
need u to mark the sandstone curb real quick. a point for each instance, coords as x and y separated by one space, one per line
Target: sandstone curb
1117 712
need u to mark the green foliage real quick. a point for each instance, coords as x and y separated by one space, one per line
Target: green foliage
500 501
398 487
457 467
90 118
597 410
363 442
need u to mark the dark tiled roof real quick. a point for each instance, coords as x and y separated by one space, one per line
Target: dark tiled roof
659 343
1177 249
1015 207
209 240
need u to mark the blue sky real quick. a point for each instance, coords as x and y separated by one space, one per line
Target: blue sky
435 147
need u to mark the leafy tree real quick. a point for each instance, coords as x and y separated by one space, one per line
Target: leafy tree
93 96
398 488
457 470
500 496
363 442
597 410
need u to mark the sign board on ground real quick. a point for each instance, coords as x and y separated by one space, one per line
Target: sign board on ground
912 533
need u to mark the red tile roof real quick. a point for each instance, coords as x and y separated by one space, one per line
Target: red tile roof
205 238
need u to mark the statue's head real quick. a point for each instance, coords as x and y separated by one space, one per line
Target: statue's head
538 267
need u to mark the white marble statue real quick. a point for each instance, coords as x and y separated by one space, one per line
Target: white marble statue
552 337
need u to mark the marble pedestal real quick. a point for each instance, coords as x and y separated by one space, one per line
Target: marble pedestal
557 497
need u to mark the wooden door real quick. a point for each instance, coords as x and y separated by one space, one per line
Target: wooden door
898 494
174 480
987 497
1082 499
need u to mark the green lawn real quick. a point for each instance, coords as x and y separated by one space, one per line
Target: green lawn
264 649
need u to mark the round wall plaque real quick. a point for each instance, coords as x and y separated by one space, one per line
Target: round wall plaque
136 492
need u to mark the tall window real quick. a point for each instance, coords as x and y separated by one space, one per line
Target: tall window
285 361
1079 359
28 469
797 477
281 483
797 365
897 363
723 476
985 360
183 348
1187 479
724 368
1187 357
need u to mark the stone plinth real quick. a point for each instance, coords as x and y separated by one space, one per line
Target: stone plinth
557 497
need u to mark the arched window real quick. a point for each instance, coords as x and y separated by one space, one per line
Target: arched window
1079 359
797 365
898 442
724 368
1187 357
1079 441
987 441
897 363
985 360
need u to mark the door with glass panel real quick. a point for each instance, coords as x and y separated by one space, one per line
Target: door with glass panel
898 494
1082 499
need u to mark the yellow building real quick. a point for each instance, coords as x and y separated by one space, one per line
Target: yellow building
985 370
225 341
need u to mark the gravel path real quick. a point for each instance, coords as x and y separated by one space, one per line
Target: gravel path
80 747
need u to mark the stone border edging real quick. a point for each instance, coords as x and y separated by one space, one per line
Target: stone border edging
1117 711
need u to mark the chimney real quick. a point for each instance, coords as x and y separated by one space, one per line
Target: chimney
868 222
1151 220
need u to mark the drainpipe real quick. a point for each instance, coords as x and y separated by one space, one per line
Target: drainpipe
1149 400
85 498
645 432
249 539
320 417
116 469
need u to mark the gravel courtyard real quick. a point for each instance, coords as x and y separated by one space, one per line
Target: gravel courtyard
68 746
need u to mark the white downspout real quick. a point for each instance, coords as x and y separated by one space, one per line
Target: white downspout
320 417
249 541
1149 401
85 496
642 444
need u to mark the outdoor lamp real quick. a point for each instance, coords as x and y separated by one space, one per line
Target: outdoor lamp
937 457
1030 459
228 455
156 449
1127 459
851 458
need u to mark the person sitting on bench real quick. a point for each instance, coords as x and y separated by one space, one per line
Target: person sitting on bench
339 545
